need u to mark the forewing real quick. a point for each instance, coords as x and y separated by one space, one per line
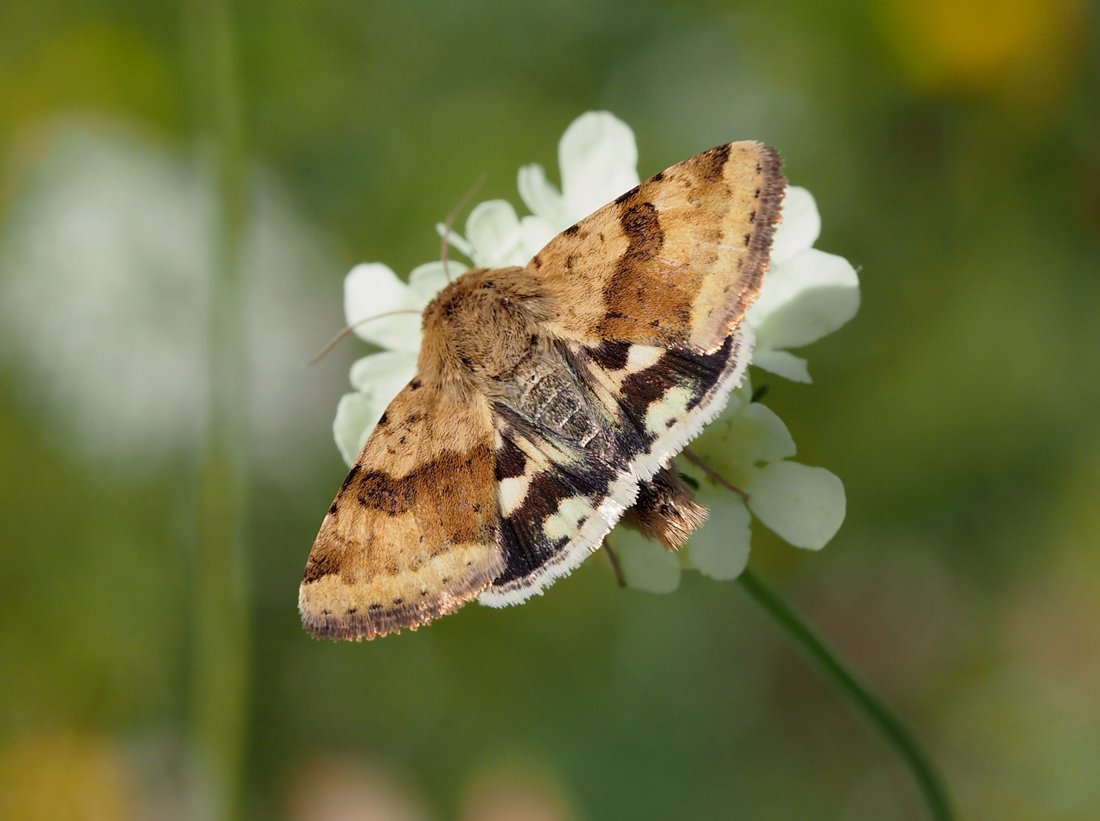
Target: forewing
675 262
413 532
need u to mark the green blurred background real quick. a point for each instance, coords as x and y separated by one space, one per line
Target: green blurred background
157 509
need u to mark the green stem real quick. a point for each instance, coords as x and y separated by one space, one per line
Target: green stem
222 639
874 711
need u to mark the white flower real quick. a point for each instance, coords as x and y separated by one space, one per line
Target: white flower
806 295
598 159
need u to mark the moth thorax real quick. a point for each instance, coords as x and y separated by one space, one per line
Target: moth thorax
484 326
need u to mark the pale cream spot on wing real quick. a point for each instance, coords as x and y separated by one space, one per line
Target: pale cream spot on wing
667 409
513 491
567 521
640 357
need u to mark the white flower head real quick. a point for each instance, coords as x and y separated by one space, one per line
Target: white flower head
105 295
806 295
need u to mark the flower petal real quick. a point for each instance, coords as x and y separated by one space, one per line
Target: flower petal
803 505
372 289
540 195
382 375
720 548
804 299
356 416
493 231
599 161
766 438
535 233
783 364
646 565
456 241
735 444
429 279
800 227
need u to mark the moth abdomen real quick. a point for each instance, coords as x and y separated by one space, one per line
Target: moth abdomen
666 510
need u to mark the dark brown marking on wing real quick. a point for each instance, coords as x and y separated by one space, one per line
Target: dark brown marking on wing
642 226
642 389
350 478
321 564
626 195
638 291
544 494
511 461
378 490
611 355
713 162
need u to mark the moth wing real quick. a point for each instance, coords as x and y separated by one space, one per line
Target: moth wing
660 398
413 532
557 502
674 262
560 498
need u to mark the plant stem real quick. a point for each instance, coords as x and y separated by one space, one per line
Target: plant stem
870 707
221 639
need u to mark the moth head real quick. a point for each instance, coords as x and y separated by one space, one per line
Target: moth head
482 325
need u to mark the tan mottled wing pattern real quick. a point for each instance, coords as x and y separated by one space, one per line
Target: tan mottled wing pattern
675 262
413 532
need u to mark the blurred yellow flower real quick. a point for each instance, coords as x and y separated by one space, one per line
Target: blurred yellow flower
1025 49
65 776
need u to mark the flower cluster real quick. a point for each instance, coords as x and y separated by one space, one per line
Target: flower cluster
744 466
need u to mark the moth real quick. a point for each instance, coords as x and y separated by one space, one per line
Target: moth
549 401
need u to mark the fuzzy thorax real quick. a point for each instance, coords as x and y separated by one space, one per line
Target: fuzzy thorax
482 326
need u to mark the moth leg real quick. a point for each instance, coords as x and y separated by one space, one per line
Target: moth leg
665 510
693 457
613 557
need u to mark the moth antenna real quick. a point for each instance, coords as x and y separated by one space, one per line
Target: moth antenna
447 223
349 328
